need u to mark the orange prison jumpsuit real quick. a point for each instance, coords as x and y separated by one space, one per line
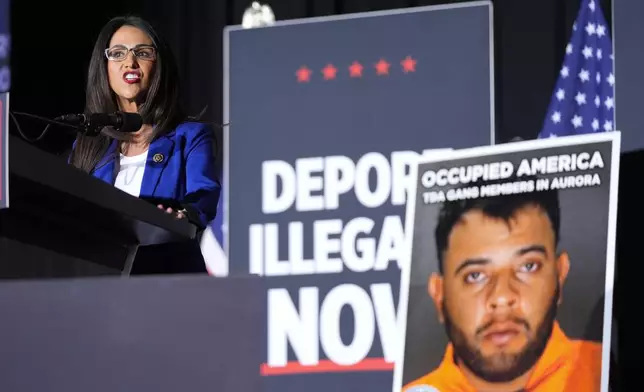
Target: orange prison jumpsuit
565 366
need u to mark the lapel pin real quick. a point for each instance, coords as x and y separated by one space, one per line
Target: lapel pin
157 158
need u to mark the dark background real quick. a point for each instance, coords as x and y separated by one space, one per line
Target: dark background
52 42
627 36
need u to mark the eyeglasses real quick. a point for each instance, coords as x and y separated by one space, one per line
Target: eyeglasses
142 52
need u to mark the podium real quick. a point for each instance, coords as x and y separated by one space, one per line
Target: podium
162 334
62 222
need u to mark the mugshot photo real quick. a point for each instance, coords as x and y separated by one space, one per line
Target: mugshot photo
507 285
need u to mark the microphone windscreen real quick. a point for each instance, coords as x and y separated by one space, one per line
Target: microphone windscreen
130 122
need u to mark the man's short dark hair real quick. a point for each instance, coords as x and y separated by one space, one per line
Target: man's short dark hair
499 207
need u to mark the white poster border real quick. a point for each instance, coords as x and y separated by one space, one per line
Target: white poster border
529 145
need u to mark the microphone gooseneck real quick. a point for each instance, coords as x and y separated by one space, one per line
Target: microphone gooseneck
49 122
92 124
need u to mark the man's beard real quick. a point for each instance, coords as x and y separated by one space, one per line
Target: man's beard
502 367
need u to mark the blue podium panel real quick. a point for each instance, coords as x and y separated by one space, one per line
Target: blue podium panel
139 334
628 33
326 116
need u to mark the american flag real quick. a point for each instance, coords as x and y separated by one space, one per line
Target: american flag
583 100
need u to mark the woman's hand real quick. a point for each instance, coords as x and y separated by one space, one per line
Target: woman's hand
178 214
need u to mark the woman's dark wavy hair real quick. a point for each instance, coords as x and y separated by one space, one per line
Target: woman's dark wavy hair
160 108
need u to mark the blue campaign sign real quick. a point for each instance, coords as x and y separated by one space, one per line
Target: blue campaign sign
5 46
4 150
326 116
5 83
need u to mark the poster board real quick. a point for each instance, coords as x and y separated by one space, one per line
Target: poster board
511 268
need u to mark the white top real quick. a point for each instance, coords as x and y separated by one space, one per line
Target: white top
130 175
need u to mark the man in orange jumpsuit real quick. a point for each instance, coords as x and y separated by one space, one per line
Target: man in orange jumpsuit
497 295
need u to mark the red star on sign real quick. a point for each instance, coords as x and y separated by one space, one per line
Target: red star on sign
355 70
303 74
382 67
329 72
408 64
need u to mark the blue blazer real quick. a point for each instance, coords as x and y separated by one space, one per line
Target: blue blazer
180 167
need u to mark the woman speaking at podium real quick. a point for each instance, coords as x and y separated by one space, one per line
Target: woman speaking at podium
170 160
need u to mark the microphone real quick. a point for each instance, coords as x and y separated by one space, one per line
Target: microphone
93 123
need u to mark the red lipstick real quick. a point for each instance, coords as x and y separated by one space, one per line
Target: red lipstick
131 77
